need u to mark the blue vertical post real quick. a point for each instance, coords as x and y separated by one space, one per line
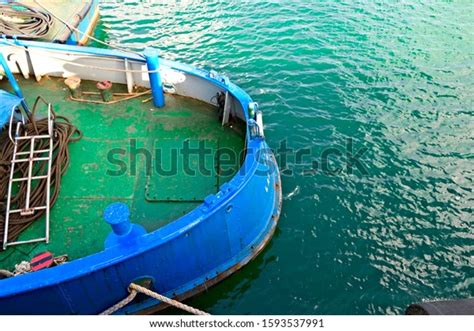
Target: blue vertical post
13 82
152 61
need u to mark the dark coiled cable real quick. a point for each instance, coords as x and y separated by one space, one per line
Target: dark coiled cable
24 21
64 133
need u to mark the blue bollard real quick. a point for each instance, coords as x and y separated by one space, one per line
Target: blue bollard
152 62
123 231
13 82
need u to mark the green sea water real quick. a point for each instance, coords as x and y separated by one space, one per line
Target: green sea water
393 78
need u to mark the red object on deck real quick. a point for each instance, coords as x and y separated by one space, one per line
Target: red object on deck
104 85
41 261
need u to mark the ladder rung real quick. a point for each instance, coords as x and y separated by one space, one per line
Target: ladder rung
16 211
26 178
44 136
34 159
26 242
29 157
35 151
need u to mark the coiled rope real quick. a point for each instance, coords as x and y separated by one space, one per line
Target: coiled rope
64 133
23 21
134 289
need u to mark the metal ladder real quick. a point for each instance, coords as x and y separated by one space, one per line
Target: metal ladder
32 158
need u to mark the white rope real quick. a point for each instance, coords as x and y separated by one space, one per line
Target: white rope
120 304
6 273
22 268
103 68
84 33
134 289
80 64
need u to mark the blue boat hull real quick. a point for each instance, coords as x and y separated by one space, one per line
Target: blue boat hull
178 260
180 267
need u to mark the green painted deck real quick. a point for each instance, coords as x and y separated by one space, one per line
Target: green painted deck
92 181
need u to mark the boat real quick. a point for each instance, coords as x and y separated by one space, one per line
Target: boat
111 224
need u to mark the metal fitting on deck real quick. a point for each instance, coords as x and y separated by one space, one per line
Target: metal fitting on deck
117 215
255 122
253 107
105 88
74 85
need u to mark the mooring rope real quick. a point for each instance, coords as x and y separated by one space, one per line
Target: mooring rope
134 289
119 305
6 273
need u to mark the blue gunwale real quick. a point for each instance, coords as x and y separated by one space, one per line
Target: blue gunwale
229 193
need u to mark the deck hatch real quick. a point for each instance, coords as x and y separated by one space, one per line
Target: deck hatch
183 171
